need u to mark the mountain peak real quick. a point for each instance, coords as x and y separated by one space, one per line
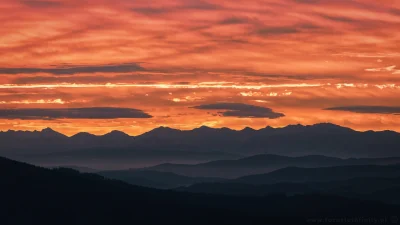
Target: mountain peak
248 129
326 125
164 128
203 128
268 128
116 133
319 127
83 135
160 131
330 127
48 132
294 126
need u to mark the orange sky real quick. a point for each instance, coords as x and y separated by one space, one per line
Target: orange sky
167 57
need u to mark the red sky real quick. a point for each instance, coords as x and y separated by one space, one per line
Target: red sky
188 63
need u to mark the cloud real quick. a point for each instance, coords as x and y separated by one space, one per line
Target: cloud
395 11
384 69
72 113
307 1
389 68
161 86
179 6
67 70
288 30
234 20
84 79
368 109
277 31
327 2
339 18
149 10
241 110
41 4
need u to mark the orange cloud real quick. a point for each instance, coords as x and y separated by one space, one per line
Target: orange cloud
164 57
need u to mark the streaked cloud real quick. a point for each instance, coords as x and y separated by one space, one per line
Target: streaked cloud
160 86
187 99
241 110
277 31
384 69
368 109
28 102
72 113
205 85
41 3
66 70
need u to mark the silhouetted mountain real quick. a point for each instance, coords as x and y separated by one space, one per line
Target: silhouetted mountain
161 132
263 164
63 196
84 137
44 134
155 179
294 140
30 142
116 135
50 141
50 133
296 174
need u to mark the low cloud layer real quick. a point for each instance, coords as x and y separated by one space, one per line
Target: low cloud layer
368 109
68 70
73 113
241 110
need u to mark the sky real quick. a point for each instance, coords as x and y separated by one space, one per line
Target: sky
133 65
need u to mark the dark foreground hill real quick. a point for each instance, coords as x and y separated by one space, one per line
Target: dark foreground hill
33 195
368 182
367 188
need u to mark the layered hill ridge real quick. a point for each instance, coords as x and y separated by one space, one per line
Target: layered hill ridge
265 163
41 196
374 182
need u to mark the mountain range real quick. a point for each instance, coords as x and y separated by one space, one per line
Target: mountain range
204 144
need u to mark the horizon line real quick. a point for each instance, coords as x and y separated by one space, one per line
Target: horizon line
203 126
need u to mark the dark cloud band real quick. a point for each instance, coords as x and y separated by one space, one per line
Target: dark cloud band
73 113
241 110
368 109
68 70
